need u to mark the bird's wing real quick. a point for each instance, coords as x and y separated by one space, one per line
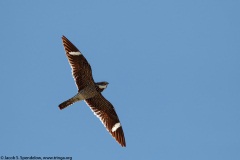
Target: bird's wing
81 70
105 111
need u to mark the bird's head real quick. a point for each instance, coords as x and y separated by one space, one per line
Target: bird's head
102 85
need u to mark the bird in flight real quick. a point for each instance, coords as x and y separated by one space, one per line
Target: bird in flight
90 92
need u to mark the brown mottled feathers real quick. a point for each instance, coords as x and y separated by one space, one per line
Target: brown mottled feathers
81 70
102 108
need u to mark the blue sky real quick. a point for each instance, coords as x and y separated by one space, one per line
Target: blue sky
172 66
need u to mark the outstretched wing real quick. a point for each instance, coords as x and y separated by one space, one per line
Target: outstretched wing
104 110
81 70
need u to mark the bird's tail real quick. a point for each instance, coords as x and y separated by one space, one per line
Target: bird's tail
65 104
69 102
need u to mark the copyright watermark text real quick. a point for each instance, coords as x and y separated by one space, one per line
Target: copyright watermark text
34 158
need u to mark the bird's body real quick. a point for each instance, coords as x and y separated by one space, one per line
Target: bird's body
90 92
87 92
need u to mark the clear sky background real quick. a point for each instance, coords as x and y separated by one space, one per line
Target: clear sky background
173 69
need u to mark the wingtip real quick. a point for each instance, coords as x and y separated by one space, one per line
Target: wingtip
63 37
119 136
124 145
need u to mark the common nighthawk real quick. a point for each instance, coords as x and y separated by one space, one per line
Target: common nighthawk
90 92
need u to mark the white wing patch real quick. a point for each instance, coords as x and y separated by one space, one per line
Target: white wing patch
116 126
75 53
98 114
